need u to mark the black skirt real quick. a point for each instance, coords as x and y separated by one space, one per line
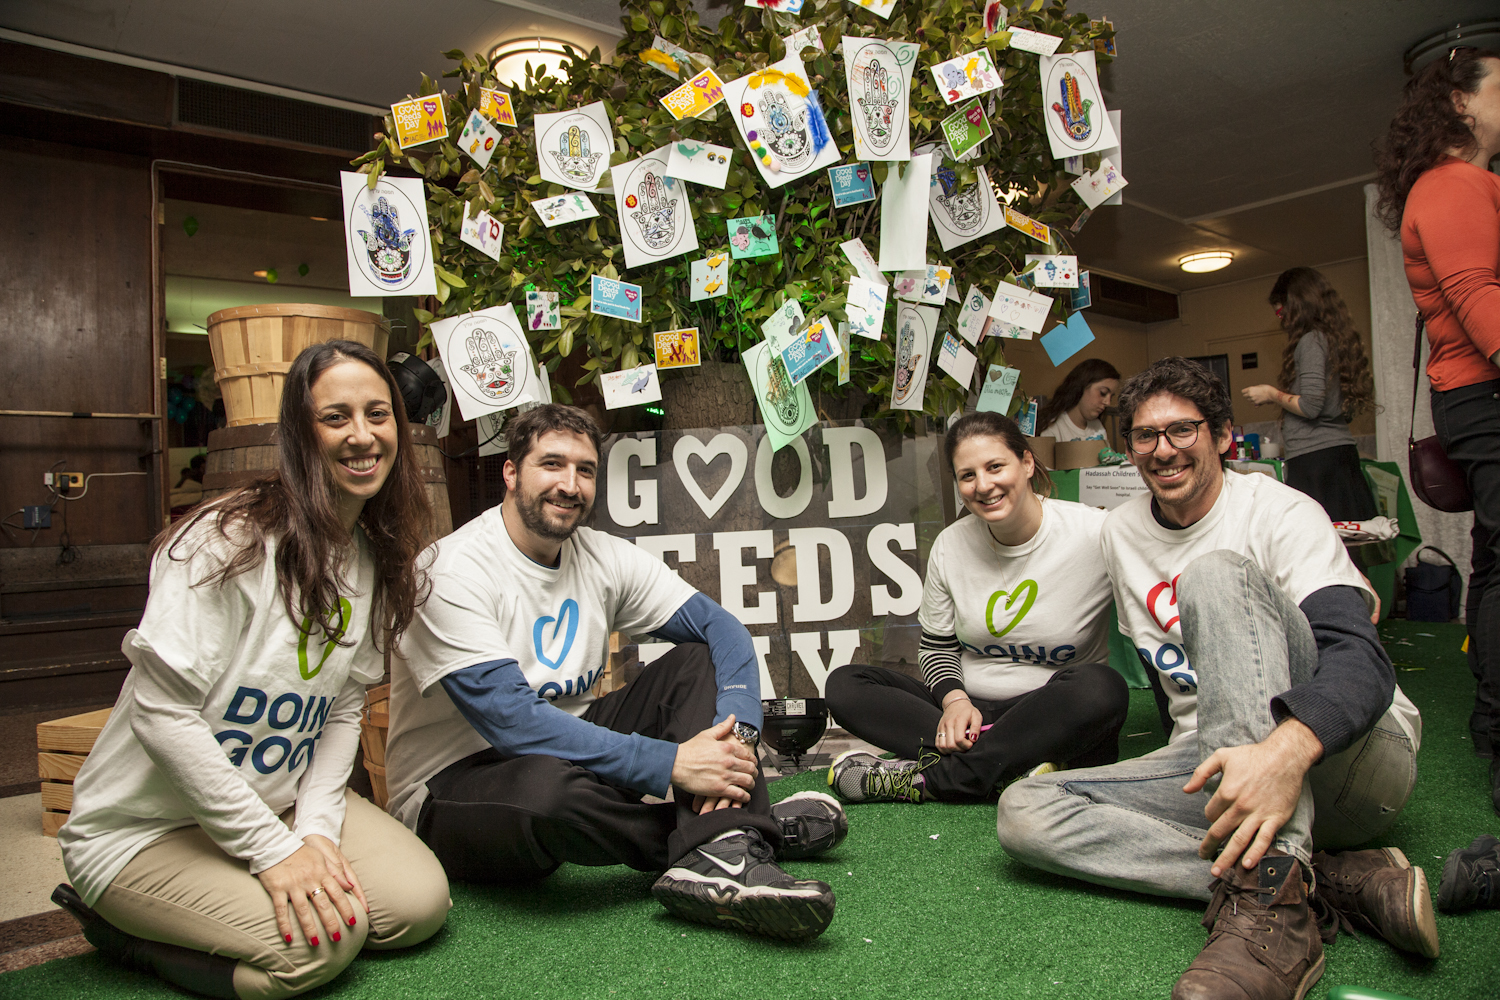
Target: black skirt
1332 477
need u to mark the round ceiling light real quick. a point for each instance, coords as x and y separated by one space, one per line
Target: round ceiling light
1209 260
547 57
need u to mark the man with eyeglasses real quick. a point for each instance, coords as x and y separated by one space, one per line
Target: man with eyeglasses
1288 731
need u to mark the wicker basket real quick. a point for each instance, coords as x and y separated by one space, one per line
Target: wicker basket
372 730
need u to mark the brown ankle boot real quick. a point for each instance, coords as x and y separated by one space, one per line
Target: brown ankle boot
1263 943
1382 893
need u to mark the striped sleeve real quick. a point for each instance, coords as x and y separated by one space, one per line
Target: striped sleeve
941 669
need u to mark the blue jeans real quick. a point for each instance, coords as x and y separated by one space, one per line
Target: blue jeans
1130 825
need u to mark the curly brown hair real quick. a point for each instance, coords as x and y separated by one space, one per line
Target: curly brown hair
1309 303
1426 126
1083 375
297 504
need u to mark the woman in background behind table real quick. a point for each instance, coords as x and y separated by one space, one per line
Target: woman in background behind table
1325 380
1014 650
211 822
1436 192
1072 414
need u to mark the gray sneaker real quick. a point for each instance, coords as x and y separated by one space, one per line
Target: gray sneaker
860 776
811 823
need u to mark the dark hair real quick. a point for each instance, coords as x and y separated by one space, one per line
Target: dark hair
987 423
1180 377
1426 126
1309 303
1083 375
297 504
522 432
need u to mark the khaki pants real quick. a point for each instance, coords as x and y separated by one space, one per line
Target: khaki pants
182 889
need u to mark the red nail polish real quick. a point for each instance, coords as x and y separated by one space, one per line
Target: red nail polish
351 921
315 942
336 936
288 939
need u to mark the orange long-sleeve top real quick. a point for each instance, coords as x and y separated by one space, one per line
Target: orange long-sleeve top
1450 239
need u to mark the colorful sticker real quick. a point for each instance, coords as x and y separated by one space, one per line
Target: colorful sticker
385 236
631 387
655 219
496 106
710 277
676 348
573 147
753 236
488 359
965 76
542 311
478 140
852 184
564 208
419 120
612 297
878 75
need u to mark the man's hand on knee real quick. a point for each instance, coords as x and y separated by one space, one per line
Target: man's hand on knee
716 767
1258 793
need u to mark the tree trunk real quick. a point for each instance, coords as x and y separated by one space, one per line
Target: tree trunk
716 394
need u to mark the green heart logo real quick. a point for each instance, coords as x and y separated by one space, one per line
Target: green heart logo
1026 590
308 673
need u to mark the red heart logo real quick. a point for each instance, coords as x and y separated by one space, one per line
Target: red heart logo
630 295
975 115
862 173
1156 592
430 107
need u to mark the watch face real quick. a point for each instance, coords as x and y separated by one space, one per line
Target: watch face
747 733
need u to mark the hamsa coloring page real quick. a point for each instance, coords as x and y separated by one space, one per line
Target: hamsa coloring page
573 147
962 214
879 78
1073 107
488 360
385 235
655 220
778 114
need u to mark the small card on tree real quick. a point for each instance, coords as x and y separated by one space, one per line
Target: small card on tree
881 8
903 215
956 359
753 236
1034 41
488 360
852 184
811 347
781 6
495 105
1026 224
676 348
478 139
1053 270
573 147
541 311
419 120
1073 106
786 409
998 389
487 428
564 208
799 40
710 277
612 297
863 261
843 354
1097 187
670 59
779 328
928 285
483 232
865 307
966 128
696 96
972 314
1062 342
994 17
1083 296
915 327
630 387
699 162
1015 306
965 76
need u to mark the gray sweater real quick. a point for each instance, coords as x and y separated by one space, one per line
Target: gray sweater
1318 384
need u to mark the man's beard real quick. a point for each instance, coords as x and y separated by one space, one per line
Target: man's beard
533 511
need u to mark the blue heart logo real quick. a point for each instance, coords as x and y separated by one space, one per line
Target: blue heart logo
567 614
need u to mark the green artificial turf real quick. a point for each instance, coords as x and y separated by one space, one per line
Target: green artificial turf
928 906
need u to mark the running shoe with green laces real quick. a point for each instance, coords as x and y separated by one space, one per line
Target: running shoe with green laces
860 776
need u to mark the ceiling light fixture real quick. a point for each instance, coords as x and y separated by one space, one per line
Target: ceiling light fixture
1209 260
508 59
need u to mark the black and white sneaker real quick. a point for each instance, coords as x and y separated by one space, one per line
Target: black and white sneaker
811 823
1471 877
734 881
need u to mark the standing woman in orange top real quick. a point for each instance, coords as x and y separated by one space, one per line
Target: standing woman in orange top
1436 191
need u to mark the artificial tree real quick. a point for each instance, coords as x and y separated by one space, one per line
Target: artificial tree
810 265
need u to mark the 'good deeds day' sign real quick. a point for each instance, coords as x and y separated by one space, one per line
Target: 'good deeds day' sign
819 550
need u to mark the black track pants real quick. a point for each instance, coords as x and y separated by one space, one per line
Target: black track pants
1075 717
490 818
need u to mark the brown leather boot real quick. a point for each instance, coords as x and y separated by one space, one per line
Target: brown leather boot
1382 893
1263 942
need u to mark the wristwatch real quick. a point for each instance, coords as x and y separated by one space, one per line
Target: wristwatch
747 734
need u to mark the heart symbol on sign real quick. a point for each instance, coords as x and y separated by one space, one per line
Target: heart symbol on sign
630 295
566 615
1026 592
430 107
721 444
1156 592
862 173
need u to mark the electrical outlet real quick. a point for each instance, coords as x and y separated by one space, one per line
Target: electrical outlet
36 517
72 480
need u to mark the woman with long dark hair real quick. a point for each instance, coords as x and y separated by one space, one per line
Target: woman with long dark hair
211 822
1438 195
1072 414
1325 380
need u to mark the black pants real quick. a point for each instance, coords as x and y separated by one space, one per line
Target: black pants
1467 421
1076 717
1333 477
494 819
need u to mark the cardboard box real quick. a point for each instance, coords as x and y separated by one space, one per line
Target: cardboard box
1078 454
1043 447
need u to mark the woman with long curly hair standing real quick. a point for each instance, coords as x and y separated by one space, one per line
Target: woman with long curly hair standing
1437 194
1325 380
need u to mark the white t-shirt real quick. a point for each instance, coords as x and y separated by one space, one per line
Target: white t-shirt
1022 611
491 602
1284 531
1064 429
234 700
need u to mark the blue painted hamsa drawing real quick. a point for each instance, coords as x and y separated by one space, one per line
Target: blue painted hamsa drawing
387 245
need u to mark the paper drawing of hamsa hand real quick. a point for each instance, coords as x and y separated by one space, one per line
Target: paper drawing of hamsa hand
788 136
574 161
879 107
1074 110
388 246
493 368
657 214
782 395
906 360
965 208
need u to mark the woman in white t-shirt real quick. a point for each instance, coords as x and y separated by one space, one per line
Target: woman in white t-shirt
1014 651
1072 414
211 821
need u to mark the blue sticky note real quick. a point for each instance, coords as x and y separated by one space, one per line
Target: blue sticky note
1067 340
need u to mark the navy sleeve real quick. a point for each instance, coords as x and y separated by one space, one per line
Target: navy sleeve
496 700
1354 681
736 667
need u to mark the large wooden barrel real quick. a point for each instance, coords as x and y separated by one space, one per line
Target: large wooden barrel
237 456
254 346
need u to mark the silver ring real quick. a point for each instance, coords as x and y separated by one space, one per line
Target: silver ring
315 892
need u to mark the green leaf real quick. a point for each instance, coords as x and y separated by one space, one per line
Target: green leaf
423 316
448 277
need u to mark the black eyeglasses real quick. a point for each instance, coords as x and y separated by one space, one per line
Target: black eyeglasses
1180 434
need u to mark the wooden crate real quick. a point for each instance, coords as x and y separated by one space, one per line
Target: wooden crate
62 747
